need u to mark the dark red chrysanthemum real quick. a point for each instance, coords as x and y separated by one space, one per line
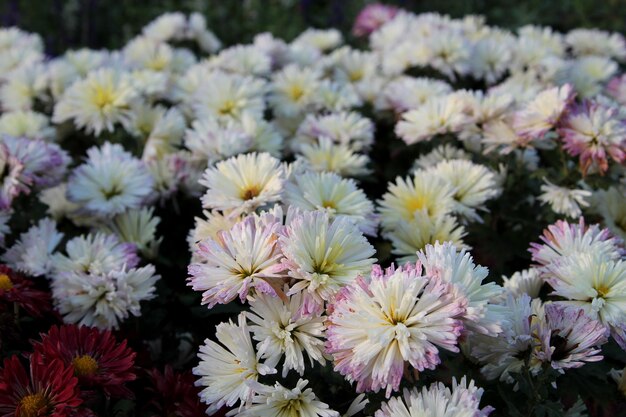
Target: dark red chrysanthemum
98 360
48 389
174 394
15 288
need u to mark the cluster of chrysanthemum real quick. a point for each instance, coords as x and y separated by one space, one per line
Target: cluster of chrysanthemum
274 138
72 369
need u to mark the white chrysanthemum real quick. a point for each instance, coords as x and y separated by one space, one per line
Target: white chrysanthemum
242 59
24 87
333 96
137 226
588 74
458 268
338 196
406 93
244 258
473 184
244 183
504 353
612 206
103 300
98 102
209 141
28 124
564 200
293 90
322 39
110 181
543 112
596 284
282 331
228 96
280 401
491 56
197 30
227 368
407 238
326 155
323 255
168 26
528 281
208 227
563 239
422 192
439 154
32 253
5 217
145 53
437 401
596 42
349 128
56 200
393 318
95 254
439 115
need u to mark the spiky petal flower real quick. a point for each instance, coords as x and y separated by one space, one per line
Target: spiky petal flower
425 192
568 337
98 102
18 290
174 393
227 369
457 268
243 183
103 300
46 389
98 360
32 253
282 331
396 317
328 191
564 200
323 255
594 132
281 401
110 182
543 112
596 284
437 401
569 239
247 257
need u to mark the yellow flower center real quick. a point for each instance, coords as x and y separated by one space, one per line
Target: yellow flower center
329 204
415 203
602 290
227 108
295 92
5 282
356 75
250 192
84 365
32 405
103 97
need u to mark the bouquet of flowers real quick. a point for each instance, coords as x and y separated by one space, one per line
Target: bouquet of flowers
423 218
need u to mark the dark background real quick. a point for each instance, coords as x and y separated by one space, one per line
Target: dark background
110 23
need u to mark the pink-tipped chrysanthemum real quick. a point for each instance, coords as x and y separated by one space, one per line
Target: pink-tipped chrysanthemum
372 17
396 317
595 133
568 337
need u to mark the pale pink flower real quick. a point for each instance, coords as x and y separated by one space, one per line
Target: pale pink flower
372 17
380 324
594 132
543 112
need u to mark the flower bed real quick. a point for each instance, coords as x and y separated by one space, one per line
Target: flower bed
425 217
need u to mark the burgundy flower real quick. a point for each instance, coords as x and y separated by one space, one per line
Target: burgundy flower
175 394
47 389
98 360
15 288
